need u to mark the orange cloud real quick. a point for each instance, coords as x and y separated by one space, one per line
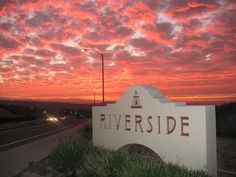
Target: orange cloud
187 50
193 5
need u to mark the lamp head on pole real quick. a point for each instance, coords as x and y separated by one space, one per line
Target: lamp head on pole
102 55
83 50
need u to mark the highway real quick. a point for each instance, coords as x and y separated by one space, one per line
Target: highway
18 134
14 160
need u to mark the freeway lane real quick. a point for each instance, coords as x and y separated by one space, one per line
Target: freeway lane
16 159
9 136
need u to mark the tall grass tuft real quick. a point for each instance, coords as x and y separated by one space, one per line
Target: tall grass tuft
67 157
103 163
139 167
96 162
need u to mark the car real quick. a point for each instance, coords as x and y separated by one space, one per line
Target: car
52 119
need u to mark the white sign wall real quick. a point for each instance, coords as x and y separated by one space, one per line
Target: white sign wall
181 134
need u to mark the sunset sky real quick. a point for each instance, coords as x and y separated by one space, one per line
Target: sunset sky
185 48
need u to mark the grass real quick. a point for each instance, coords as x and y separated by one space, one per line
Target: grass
40 168
67 157
103 163
96 162
99 162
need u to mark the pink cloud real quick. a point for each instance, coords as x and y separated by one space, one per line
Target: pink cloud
184 48
193 5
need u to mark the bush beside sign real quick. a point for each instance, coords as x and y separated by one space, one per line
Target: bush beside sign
178 133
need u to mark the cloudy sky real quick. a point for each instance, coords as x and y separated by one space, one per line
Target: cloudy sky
185 48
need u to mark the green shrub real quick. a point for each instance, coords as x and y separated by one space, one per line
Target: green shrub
137 166
103 163
67 157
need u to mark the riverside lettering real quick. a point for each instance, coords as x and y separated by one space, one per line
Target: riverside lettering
145 124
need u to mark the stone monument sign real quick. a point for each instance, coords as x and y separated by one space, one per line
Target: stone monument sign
178 133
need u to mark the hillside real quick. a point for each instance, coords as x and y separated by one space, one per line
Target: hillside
30 110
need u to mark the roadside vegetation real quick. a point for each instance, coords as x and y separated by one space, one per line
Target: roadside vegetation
226 120
85 160
82 159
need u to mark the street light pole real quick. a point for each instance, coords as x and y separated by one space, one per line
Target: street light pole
103 92
103 87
